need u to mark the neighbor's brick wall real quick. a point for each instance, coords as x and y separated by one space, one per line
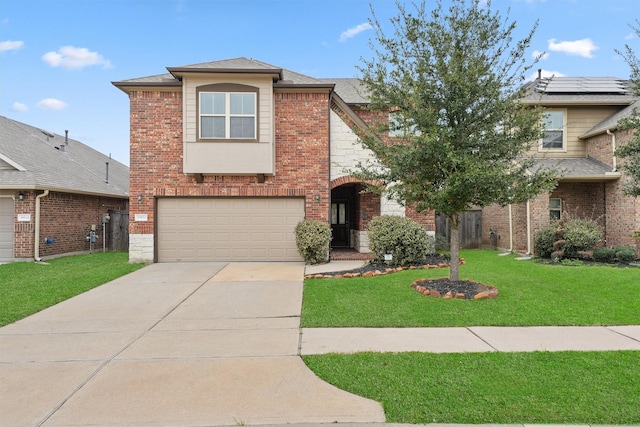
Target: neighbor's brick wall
496 219
622 212
67 218
302 156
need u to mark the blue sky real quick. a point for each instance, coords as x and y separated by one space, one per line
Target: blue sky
59 57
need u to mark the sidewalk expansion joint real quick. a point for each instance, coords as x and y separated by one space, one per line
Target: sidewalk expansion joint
481 339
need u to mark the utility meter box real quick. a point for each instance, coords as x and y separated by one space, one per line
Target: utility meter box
105 218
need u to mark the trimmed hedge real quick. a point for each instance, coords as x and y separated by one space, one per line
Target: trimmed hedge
313 238
404 238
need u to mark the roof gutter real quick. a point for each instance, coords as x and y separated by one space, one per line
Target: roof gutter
36 245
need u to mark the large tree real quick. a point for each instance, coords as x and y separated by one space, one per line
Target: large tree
631 151
453 79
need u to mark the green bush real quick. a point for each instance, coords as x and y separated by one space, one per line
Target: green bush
312 239
580 235
406 240
607 255
625 254
544 240
566 239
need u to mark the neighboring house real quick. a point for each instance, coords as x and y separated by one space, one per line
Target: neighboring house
228 156
581 136
53 189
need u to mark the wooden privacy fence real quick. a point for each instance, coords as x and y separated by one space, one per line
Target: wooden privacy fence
470 230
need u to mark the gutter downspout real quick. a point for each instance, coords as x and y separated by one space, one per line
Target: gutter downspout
510 230
613 145
528 228
36 246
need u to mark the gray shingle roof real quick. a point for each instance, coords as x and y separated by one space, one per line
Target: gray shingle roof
582 168
349 89
612 121
35 159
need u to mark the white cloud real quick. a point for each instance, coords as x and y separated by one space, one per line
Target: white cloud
351 32
18 106
11 45
541 55
630 36
71 57
52 104
583 47
544 74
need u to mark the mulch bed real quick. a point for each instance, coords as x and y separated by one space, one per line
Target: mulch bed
439 288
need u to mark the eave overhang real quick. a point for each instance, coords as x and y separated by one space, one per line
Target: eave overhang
179 72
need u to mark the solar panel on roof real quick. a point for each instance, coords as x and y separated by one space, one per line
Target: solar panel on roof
582 85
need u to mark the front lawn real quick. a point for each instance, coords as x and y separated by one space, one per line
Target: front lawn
501 388
530 294
28 287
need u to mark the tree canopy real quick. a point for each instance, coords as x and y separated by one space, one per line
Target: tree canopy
453 79
631 151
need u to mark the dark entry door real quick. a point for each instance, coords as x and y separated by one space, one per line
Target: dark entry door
340 224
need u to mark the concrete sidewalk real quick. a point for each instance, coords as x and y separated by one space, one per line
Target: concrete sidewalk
189 344
471 339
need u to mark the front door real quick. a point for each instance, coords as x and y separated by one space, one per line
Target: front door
340 224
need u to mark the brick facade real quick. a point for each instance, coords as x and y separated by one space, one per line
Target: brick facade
603 202
66 218
302 157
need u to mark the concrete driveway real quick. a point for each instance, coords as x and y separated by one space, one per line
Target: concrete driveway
195 344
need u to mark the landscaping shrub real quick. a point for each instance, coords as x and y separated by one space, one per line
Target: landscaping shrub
406 240
607 255
580 235
567 238
312 239
544 240
625 254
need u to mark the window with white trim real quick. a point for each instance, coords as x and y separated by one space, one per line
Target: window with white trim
554 131
555 209
400 126
227 115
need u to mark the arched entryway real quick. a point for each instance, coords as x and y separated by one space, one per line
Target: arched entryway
352 207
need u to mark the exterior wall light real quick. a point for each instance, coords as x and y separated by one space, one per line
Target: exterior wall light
21 196
139 197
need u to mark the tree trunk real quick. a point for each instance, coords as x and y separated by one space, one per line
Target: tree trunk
454 264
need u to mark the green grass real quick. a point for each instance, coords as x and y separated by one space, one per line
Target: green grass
28 287
502 388
530 294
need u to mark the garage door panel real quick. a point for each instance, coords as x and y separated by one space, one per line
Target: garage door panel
231 229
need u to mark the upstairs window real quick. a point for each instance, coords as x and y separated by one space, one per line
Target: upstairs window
400 126
555 209
554 132
227 115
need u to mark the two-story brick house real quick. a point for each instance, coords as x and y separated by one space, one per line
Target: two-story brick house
581 136
228 156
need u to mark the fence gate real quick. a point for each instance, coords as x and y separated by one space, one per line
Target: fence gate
118 231
470 230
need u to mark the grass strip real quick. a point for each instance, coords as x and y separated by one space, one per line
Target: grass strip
501 388
28 287
531 294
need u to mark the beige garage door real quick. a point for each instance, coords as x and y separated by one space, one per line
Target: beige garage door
228 229
6 228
